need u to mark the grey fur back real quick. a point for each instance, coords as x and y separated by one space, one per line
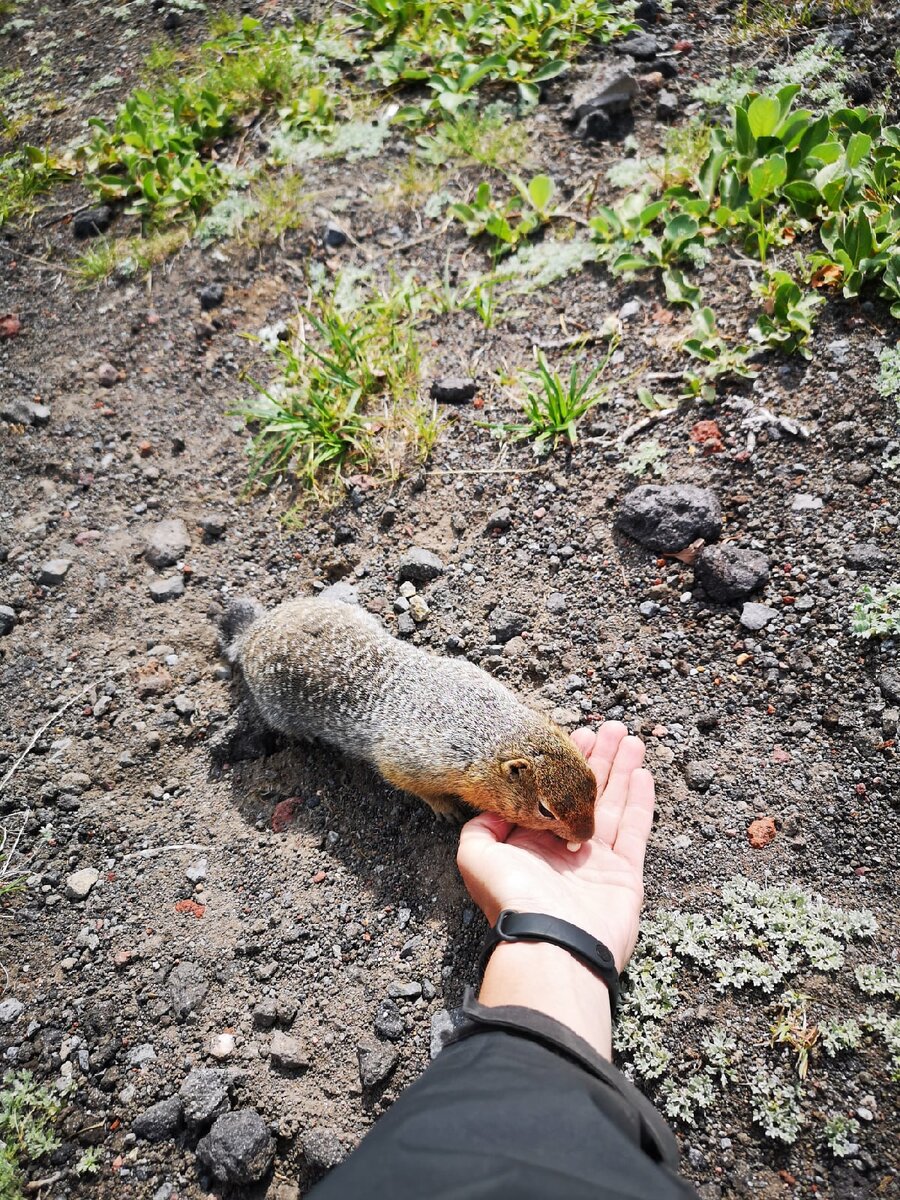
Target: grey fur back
327 670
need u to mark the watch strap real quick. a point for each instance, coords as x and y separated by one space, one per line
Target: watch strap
538 927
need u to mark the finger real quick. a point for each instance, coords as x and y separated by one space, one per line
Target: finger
584 739
637 819
611 803
482 832
606 743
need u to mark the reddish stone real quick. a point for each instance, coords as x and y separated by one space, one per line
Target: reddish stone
284 813
191 907
761 832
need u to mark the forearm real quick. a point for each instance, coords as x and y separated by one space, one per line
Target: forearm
549 980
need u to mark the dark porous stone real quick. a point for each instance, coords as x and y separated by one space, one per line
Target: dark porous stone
7 619
668 518
419 566
158 1122
609 90
211 296
730 573
334 237
860 473
889 682
642 46
189 987
238 1149
647 10
204 1096
376 1062
389 1021
499 520
699 774
865 556
322 1148
92 222
504 624
453 389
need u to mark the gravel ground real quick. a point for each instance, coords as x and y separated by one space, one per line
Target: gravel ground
210 926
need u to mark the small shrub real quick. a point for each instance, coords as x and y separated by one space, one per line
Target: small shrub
344 396
27 1113
840 1133
888 382
878 613
554 406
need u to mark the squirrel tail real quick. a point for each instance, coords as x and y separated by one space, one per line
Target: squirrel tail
237 619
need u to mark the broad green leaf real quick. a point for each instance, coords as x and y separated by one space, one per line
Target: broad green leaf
786 97
550 70
681 228
710 171
743 137
804 197
767 176
679 290
627 261
857 148
541 191
763 116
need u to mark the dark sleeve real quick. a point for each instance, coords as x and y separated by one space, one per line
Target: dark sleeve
520 1107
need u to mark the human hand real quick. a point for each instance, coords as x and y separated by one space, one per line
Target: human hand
599 887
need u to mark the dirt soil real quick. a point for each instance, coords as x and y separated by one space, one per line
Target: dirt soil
320 890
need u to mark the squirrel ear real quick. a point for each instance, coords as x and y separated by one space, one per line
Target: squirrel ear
515 767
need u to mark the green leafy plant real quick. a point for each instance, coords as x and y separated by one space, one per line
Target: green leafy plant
648 457
888 382
27 1113
491 137
787 322
512 219
346 381
126 257
840 1134
161 152
26 174
718 357
456 48
554 405
755 940
89 1162
878 613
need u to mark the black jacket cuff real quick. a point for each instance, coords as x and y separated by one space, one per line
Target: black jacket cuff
643 1121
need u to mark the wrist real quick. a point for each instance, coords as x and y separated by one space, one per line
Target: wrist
549 979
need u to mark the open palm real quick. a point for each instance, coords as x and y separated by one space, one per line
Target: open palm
599 887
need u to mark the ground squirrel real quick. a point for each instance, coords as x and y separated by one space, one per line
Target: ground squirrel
440 728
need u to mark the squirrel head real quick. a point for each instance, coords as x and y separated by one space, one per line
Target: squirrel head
546 783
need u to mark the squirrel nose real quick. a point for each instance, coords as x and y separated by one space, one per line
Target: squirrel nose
583 830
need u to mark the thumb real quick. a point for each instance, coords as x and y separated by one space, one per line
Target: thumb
483 831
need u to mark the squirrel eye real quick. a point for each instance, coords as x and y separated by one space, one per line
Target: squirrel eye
545 812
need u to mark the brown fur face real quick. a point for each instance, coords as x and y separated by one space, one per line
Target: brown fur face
544 783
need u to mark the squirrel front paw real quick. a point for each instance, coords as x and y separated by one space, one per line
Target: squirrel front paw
448 808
